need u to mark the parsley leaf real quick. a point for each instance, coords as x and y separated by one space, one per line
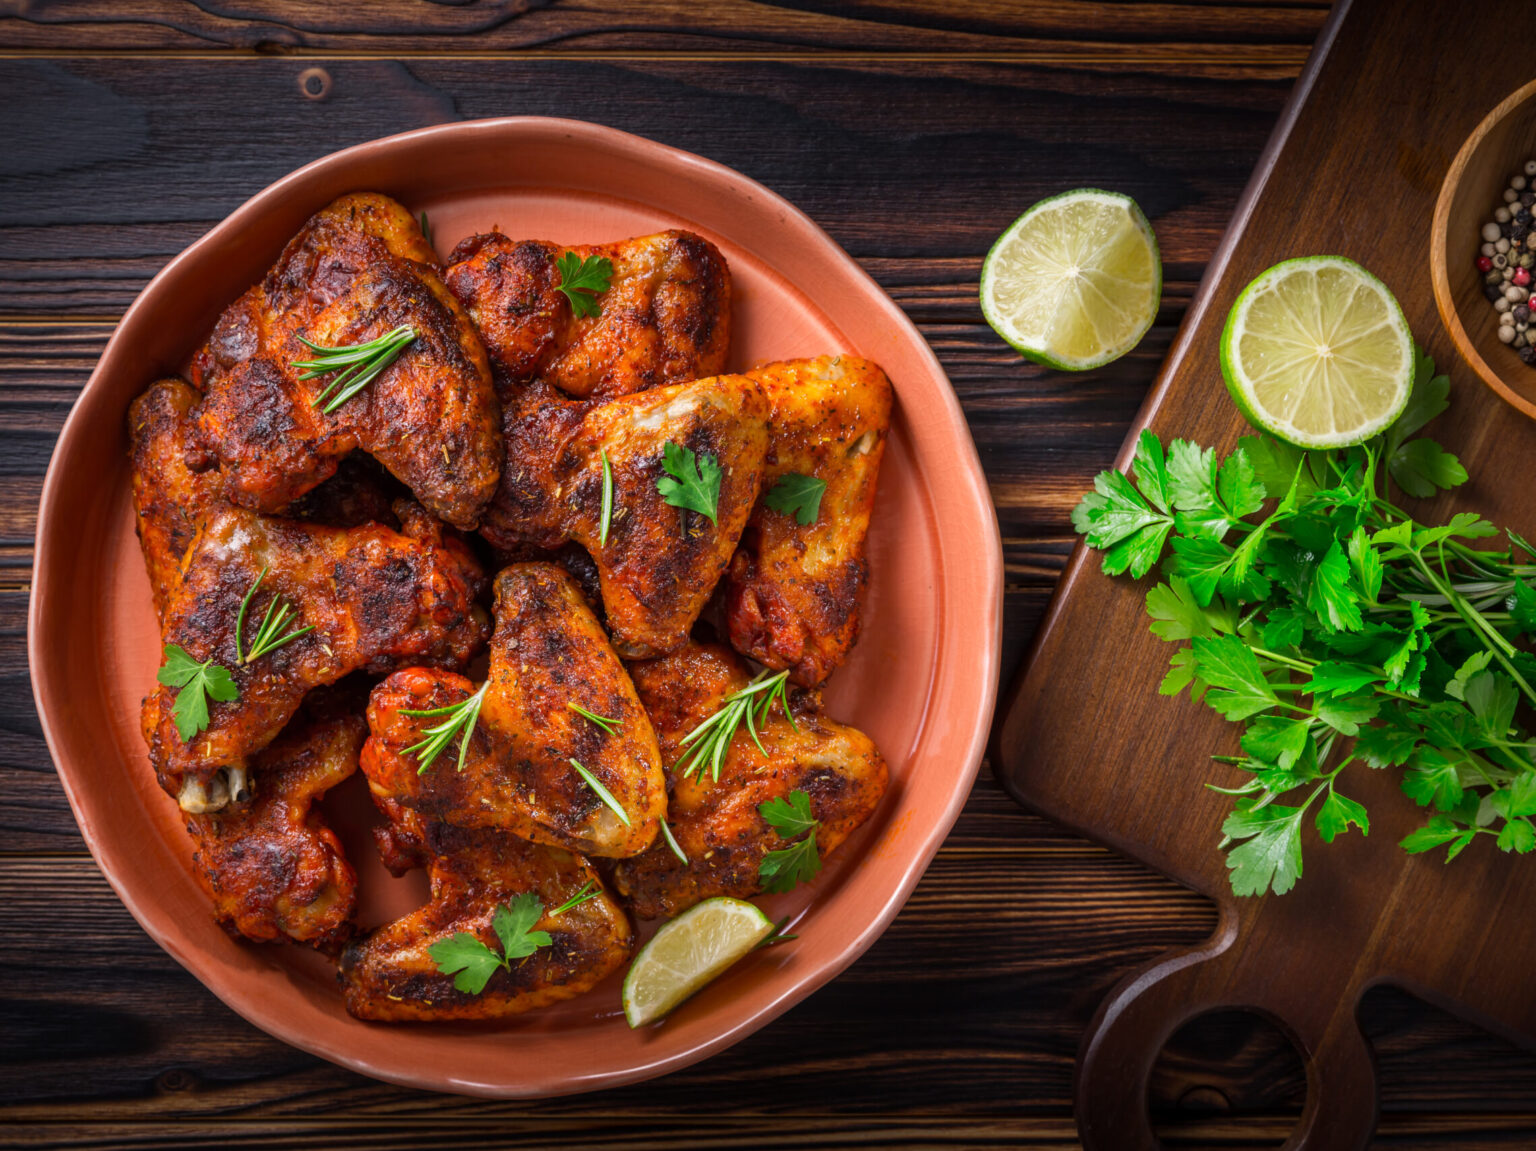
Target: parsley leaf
472 963
789 816
196 683
1337 813
691 482
1271 857
582 281
797 495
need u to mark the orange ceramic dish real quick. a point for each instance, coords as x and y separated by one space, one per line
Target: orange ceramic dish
921 681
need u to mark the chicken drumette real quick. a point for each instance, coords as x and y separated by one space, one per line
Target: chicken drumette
549 656
665 317
377 599
272 867
391 975
359 269
717 823
794 591
660 563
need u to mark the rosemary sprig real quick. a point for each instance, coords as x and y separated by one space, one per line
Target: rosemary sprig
356 365
602 531
776 936
709 742
460 717
589 890
666 833
602 721
270 635
602 792
426 230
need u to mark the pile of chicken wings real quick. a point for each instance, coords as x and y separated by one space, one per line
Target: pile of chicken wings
523 434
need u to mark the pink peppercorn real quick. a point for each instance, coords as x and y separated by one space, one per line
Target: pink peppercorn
1522 277
1484 264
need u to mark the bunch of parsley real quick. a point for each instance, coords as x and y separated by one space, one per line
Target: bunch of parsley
1337 630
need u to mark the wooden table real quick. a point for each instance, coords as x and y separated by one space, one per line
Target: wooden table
914 131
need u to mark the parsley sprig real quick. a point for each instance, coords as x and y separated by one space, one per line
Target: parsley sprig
797 495
197 683
459 719
356 365
270 635
472 963
691 482
790 816
1338 630
708 743
582 281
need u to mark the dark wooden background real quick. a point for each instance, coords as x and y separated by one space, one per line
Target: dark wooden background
914 131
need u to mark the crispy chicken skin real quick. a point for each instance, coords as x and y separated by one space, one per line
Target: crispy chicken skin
356 271
661 563
170 500
390 975
793 594
377 599
272 867
548 653
665 318
716 823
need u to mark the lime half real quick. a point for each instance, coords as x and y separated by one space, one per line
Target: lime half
1075 281
1317 352
688 952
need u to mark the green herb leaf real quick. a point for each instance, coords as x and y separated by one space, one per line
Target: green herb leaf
459 720
1238 686
196 683
471 959
356 365
1337 813
601 792
607 512
582 281
691 482
797 495
1270 860
475 963
789 815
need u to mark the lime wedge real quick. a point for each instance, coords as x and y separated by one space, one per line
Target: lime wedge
688 952
1317 352
1075 281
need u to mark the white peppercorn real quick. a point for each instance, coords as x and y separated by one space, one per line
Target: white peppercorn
1487 249
1510 195
1491 231
1501 305
1501 215
1512 294
1506 335
1530 167
1518 183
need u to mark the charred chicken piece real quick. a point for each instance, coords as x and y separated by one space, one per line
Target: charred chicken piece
273 868
717 823
391 975
660 563
549 656
793 595
358 270
664 319
376 599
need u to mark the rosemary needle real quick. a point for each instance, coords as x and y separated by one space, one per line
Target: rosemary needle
356 365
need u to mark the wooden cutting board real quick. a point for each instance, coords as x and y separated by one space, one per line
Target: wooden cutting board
1391 91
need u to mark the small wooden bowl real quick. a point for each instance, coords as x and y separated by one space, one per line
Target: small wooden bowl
1471 191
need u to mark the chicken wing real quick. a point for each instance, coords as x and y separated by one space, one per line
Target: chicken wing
392 976
660 563
355 272
549 656
377 600
665 318
272 867
716 822
794 591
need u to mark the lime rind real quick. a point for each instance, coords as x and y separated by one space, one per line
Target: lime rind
1117 279
685 955
1269 353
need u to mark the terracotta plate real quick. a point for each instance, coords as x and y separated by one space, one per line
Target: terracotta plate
921 681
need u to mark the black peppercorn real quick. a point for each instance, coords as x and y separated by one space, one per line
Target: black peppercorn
1493 292
1528 354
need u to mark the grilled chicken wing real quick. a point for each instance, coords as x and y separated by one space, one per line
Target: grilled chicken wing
391 975
793 594
356 271
660 563
717 823
377 599
273 868
548 654
665 317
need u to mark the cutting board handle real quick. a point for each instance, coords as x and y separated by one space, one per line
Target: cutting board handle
1139 1017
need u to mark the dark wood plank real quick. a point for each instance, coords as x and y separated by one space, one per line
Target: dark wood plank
990 26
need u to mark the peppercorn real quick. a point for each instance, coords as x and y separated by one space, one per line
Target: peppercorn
1491 232
1484 263
1528 354
1500 261
1501 215
1501 245
1501 305
1492 292
1506 335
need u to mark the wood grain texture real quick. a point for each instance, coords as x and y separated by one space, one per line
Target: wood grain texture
960 1027
1106 756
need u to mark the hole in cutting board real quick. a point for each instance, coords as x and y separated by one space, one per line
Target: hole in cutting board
1221 1066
